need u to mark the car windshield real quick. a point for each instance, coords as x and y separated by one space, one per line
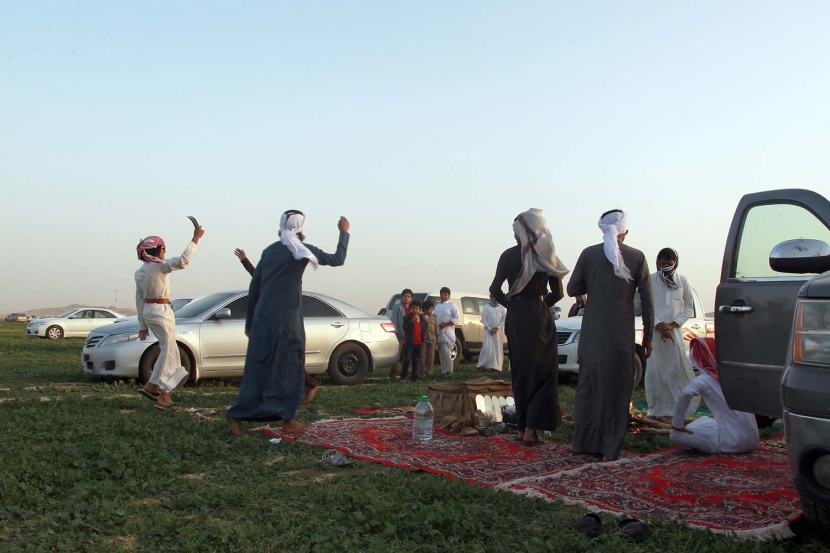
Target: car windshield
200 306
65 315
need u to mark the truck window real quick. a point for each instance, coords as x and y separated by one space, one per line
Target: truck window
766 226
469 306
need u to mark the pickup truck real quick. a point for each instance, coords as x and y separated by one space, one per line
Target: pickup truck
568 332
773 329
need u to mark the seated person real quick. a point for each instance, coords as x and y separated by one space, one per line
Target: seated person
727 431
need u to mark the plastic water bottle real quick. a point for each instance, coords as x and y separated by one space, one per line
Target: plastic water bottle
422 420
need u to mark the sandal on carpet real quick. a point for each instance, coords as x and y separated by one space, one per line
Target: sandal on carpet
590 525
335 458
149 395
534 443
633 529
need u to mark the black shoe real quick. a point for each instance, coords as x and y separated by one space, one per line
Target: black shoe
590 525
633 529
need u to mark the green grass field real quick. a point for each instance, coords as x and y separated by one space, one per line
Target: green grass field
91 466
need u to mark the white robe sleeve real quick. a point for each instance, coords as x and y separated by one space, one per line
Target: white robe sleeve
139 301
179 263
688 303
692 389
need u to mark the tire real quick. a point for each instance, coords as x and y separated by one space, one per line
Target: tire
54 333
638 370
145 368
565 378
348 365
818 516
456 353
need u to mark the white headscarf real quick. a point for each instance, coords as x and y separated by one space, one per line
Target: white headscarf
538 251
292 223
612 225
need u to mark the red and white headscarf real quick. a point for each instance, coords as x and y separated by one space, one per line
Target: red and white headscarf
148 244
702 354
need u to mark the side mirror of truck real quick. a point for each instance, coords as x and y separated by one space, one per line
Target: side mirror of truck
800 256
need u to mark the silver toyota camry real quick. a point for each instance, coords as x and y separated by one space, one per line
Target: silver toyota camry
341 340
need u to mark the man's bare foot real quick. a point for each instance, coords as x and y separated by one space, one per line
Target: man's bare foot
236 427
151 388
293 425
608 459
309 395
164 399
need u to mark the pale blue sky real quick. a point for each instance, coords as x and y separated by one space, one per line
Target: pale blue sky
431 125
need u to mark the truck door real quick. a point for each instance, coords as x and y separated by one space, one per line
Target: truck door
754 305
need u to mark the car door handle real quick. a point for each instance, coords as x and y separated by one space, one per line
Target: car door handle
338 324
695 327
736 309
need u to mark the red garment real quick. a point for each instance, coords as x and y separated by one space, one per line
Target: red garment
416 332
702 354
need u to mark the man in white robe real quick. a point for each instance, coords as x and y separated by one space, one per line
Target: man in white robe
668 370
447 314
726 431
492 346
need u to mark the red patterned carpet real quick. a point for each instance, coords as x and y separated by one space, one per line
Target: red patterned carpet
746 495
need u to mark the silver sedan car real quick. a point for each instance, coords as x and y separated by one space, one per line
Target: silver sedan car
341 340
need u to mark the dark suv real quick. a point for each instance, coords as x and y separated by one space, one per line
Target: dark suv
772 327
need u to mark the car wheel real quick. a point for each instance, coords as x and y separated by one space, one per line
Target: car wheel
54 333
456 353
638 370
565 378
818 515
348 364
145 368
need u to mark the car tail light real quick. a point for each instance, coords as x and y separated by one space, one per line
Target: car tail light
388 327
811 335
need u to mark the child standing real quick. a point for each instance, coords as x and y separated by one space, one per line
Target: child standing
430 339
414 329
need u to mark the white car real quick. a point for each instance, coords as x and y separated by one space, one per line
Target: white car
175 305
568 333
341 340
76 323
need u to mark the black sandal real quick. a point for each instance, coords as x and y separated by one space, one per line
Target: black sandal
633 529
590 525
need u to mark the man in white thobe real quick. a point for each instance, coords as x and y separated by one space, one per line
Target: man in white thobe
447 315
668 370
726 431
492 346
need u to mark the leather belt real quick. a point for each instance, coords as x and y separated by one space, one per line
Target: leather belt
156 300
528 298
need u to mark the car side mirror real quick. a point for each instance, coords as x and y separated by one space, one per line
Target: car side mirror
224 313
800 256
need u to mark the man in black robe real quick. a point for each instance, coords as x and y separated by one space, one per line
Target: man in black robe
272 384
530 268
610 273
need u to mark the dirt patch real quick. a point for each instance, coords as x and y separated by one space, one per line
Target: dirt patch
129 543
127 411
306 477
275 460
198 476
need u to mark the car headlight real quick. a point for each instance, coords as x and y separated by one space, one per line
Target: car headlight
118 338
37 323
575 339
811 336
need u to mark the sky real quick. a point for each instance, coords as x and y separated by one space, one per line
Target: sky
430 125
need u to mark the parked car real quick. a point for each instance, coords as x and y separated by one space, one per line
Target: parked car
568 333
75 323
175 305
341 340
469 332
773 329
16 318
